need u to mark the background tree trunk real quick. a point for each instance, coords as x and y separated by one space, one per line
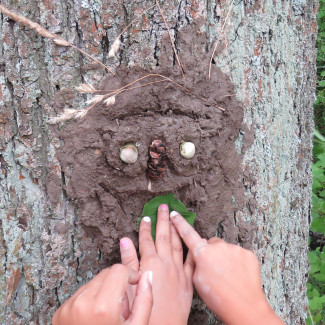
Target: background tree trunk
268 52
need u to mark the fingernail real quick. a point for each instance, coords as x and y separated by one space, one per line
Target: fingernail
124 243
146 219
173 214
150 275
145 280
164 207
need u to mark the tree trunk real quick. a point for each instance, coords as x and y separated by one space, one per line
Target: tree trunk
65 196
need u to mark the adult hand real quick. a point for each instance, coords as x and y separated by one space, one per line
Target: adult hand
172 280
101 301
227 277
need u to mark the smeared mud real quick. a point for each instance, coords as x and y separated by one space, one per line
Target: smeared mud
109 194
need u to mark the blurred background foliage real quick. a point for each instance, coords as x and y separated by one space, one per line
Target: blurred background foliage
316 282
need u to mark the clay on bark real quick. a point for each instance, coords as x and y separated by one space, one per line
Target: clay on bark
110 194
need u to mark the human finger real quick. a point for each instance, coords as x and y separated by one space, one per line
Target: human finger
177 248
163 238
125 307
93 285
109 299
146 244
129 255
191 238
143 301
80 290
129 258
189 266
215 240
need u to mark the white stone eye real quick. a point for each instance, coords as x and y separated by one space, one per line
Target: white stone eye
187 149
129 153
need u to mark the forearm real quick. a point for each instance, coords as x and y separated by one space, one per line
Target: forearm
242 313
257 314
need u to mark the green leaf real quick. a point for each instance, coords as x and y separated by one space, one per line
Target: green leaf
321 160
150 209
319 147
315 293
317 202
318 225
322 269
313 269
316 184
313 258
320 277
318 171
318 318
321 14
315 304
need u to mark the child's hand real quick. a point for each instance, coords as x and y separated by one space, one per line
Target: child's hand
172 280
227 277
103 300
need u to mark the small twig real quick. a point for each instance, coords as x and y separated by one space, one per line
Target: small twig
143 85
111 91
310 315
94 59
144 77
217 42
172 81
171 39
47 34
230 95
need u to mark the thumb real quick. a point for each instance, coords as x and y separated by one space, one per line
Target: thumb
129 254
143 301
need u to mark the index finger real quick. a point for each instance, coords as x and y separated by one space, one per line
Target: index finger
191 238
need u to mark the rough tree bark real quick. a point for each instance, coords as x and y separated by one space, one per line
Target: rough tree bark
268 52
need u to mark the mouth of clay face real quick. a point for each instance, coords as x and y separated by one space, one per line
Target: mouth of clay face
110 194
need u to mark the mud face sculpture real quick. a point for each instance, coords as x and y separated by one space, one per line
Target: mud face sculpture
110 194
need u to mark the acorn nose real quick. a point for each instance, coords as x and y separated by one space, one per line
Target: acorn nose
157 163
